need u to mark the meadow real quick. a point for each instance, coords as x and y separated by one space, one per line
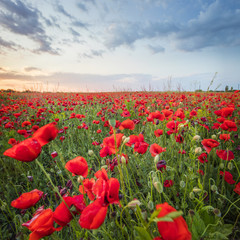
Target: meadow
127 165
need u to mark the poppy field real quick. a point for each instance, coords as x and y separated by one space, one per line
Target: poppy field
127 165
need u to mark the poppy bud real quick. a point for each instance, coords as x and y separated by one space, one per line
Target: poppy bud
150 205
90 153
214 136
182 184
230 165
156 158
217 212
196 190
191 195
157 122
196 138
198 150
134 203
214 188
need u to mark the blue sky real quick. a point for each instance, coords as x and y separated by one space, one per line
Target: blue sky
109 45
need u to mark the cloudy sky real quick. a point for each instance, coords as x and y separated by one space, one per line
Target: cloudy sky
110 45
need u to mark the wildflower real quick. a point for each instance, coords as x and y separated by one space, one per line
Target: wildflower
77 166
25 151
27 200
177 229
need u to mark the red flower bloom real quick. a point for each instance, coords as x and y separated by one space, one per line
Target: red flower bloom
168 183
25 151
176 230
203 158
155 149
41 224
26 123
227 112
127 124
27 200
107 192
237 188
87 187
77 166
110 145
225 155
62 214
209 144
227 177
158 132
93 215
46 133
173 126
229 126
13 141
200 172
179 138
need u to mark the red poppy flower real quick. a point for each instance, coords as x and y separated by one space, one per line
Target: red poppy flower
179 138
62 214
176 230
140 147
101 174
237 188
110 145
168 183
193 113
225 155
209 144
155 149
203 158
93 215
225 137
200 172
227 177
41 224
87 187
13 141
173 126
27 200
77 166
46 133
127 124
26 123
158 132
25 151
229 126
227 112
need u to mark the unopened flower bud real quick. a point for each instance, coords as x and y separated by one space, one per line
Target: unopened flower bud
156 158
196 138
217 212
196 190
126 140
230 165
214 136
182 184
134 203
158 186
214 188
221 166
198 150
90 152
191 195
150 205
80 179
123 160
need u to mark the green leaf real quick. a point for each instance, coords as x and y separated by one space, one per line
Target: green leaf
112 122
174 214
155 213
142 233
163 219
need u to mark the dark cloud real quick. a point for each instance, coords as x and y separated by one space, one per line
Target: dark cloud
30 69
8 44
93 53
82 7
154 49
217 24
129 32
74 33
24 20
61 9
